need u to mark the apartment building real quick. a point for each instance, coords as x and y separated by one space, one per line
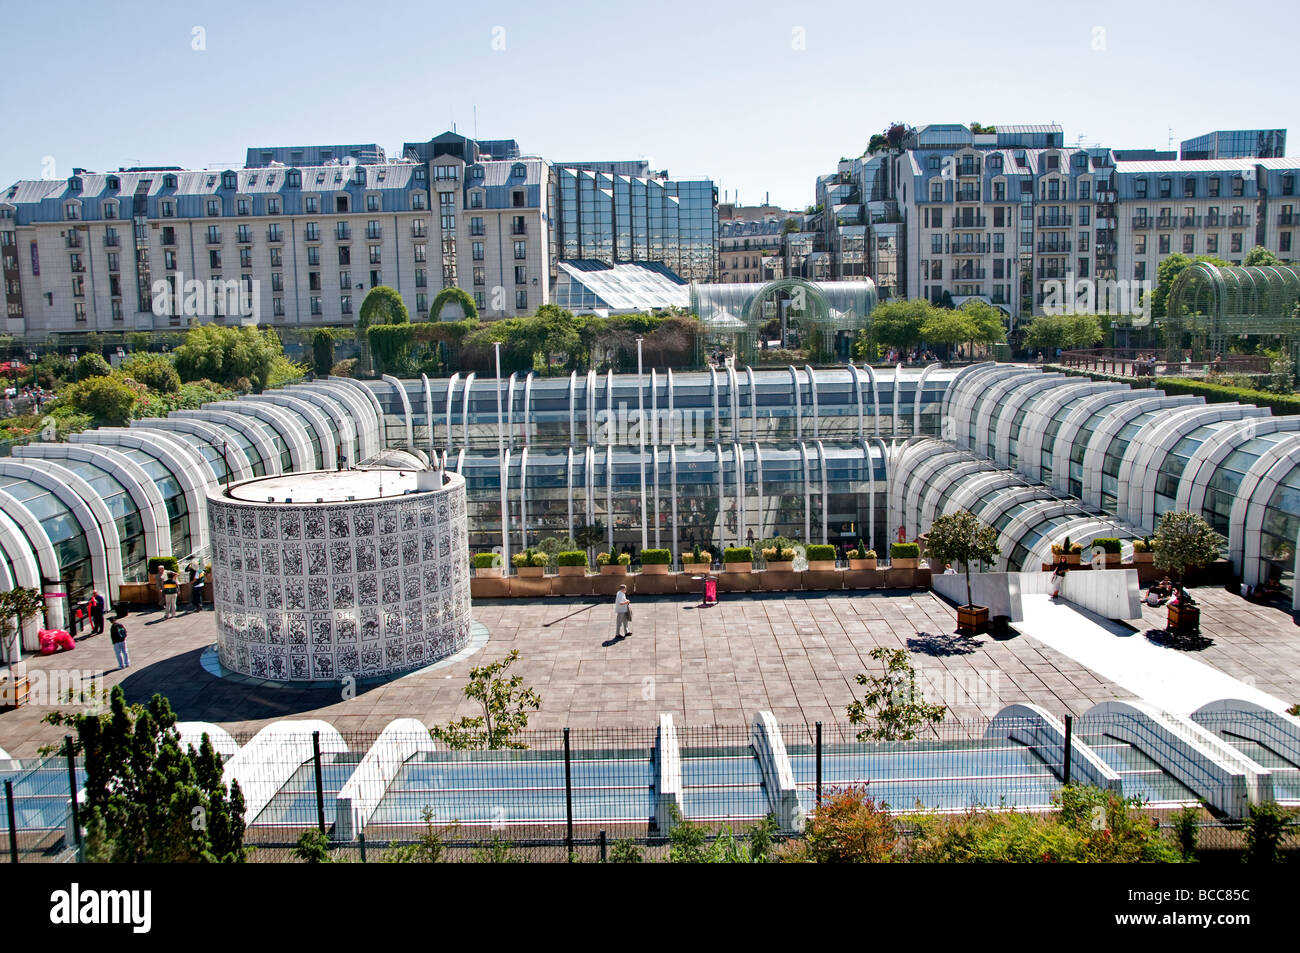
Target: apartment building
1235 144
301 233
749 251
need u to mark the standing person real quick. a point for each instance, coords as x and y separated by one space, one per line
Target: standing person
118 635
170 589
622 613
96 613
197 582
1058 578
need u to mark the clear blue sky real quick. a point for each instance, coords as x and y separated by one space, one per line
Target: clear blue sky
701 88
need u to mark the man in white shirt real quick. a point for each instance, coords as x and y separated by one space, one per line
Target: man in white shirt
622 613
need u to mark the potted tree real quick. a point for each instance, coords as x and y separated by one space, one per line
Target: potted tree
1110 546
1184 541
738 559
961 538
656 562
610 566
487 565
821 558
1142 554
904 555
862 558
17 605
779 558
571 563
697 560
529 564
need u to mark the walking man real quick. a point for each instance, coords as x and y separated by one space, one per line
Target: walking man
118 634
196 587
170 589
96 613
622 613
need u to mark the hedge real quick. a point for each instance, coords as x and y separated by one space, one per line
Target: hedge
738 554
1222 393
904 550
656 557
167 562
819 553
1107 544
571 558
487 560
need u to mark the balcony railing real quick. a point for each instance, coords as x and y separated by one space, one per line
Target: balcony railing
1189 221
970 248
1141 223
519 228
967 195
1165 221
274 235
1055 221
975 221
343 233
374 233
973 274
111 241
1236 221
1055 248
312 234
1288 218
74 239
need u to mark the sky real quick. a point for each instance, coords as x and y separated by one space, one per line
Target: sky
760 97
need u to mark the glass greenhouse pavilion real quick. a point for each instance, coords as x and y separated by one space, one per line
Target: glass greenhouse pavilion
831 455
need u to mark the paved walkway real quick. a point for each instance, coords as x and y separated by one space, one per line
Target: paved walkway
1160 674
793 654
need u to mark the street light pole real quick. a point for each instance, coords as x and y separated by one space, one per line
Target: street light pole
640 403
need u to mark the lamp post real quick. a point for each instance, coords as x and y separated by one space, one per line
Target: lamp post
640 403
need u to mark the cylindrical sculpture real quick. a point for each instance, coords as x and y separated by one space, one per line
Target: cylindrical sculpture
331 574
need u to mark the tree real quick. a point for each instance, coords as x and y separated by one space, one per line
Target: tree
961 538
505 702
468 310
313 847
589 535
1047 332
988 324
1184 541
945 326
148 799
109 400
322 352
877 143
382 305
390 344
1259 256
892 703
92 365
1171 266
897 324
788 226
978 130
17 605
154 371
221 354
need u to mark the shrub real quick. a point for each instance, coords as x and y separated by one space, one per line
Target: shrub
868 554
154 371
521 559
602 559
1265 828
625 559
52 370
625 851
656 557
1219 393
847 827
1139 546
109 400
487 560
701 556
904 551
92 365
167 562
738 554
1107 544
537 560
818 553
322 352
571 558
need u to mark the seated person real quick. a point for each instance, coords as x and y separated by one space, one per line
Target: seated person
1154 598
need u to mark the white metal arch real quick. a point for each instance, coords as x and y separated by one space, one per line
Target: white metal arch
958 383
992 404
1108 429
451 399
924 449
1084 527
189 468
289 427
1140 468
1205 461
341 422
798 399
212 434
327 433
938 481
406 408
143 491
978 487
1068 432
920 393
22 555
428 414
367 421
1247 517
1023 523
252 429
812 390
87 508
1029 445
1026 391
962 406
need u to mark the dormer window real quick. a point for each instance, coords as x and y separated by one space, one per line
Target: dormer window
229 180
114 183
293 179
74 184
169 181
519 171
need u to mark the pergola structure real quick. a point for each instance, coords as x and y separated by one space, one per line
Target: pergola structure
1212 303
736 313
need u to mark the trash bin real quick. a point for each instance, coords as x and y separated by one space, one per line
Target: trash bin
710 590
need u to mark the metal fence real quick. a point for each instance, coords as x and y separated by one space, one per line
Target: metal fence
583 793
